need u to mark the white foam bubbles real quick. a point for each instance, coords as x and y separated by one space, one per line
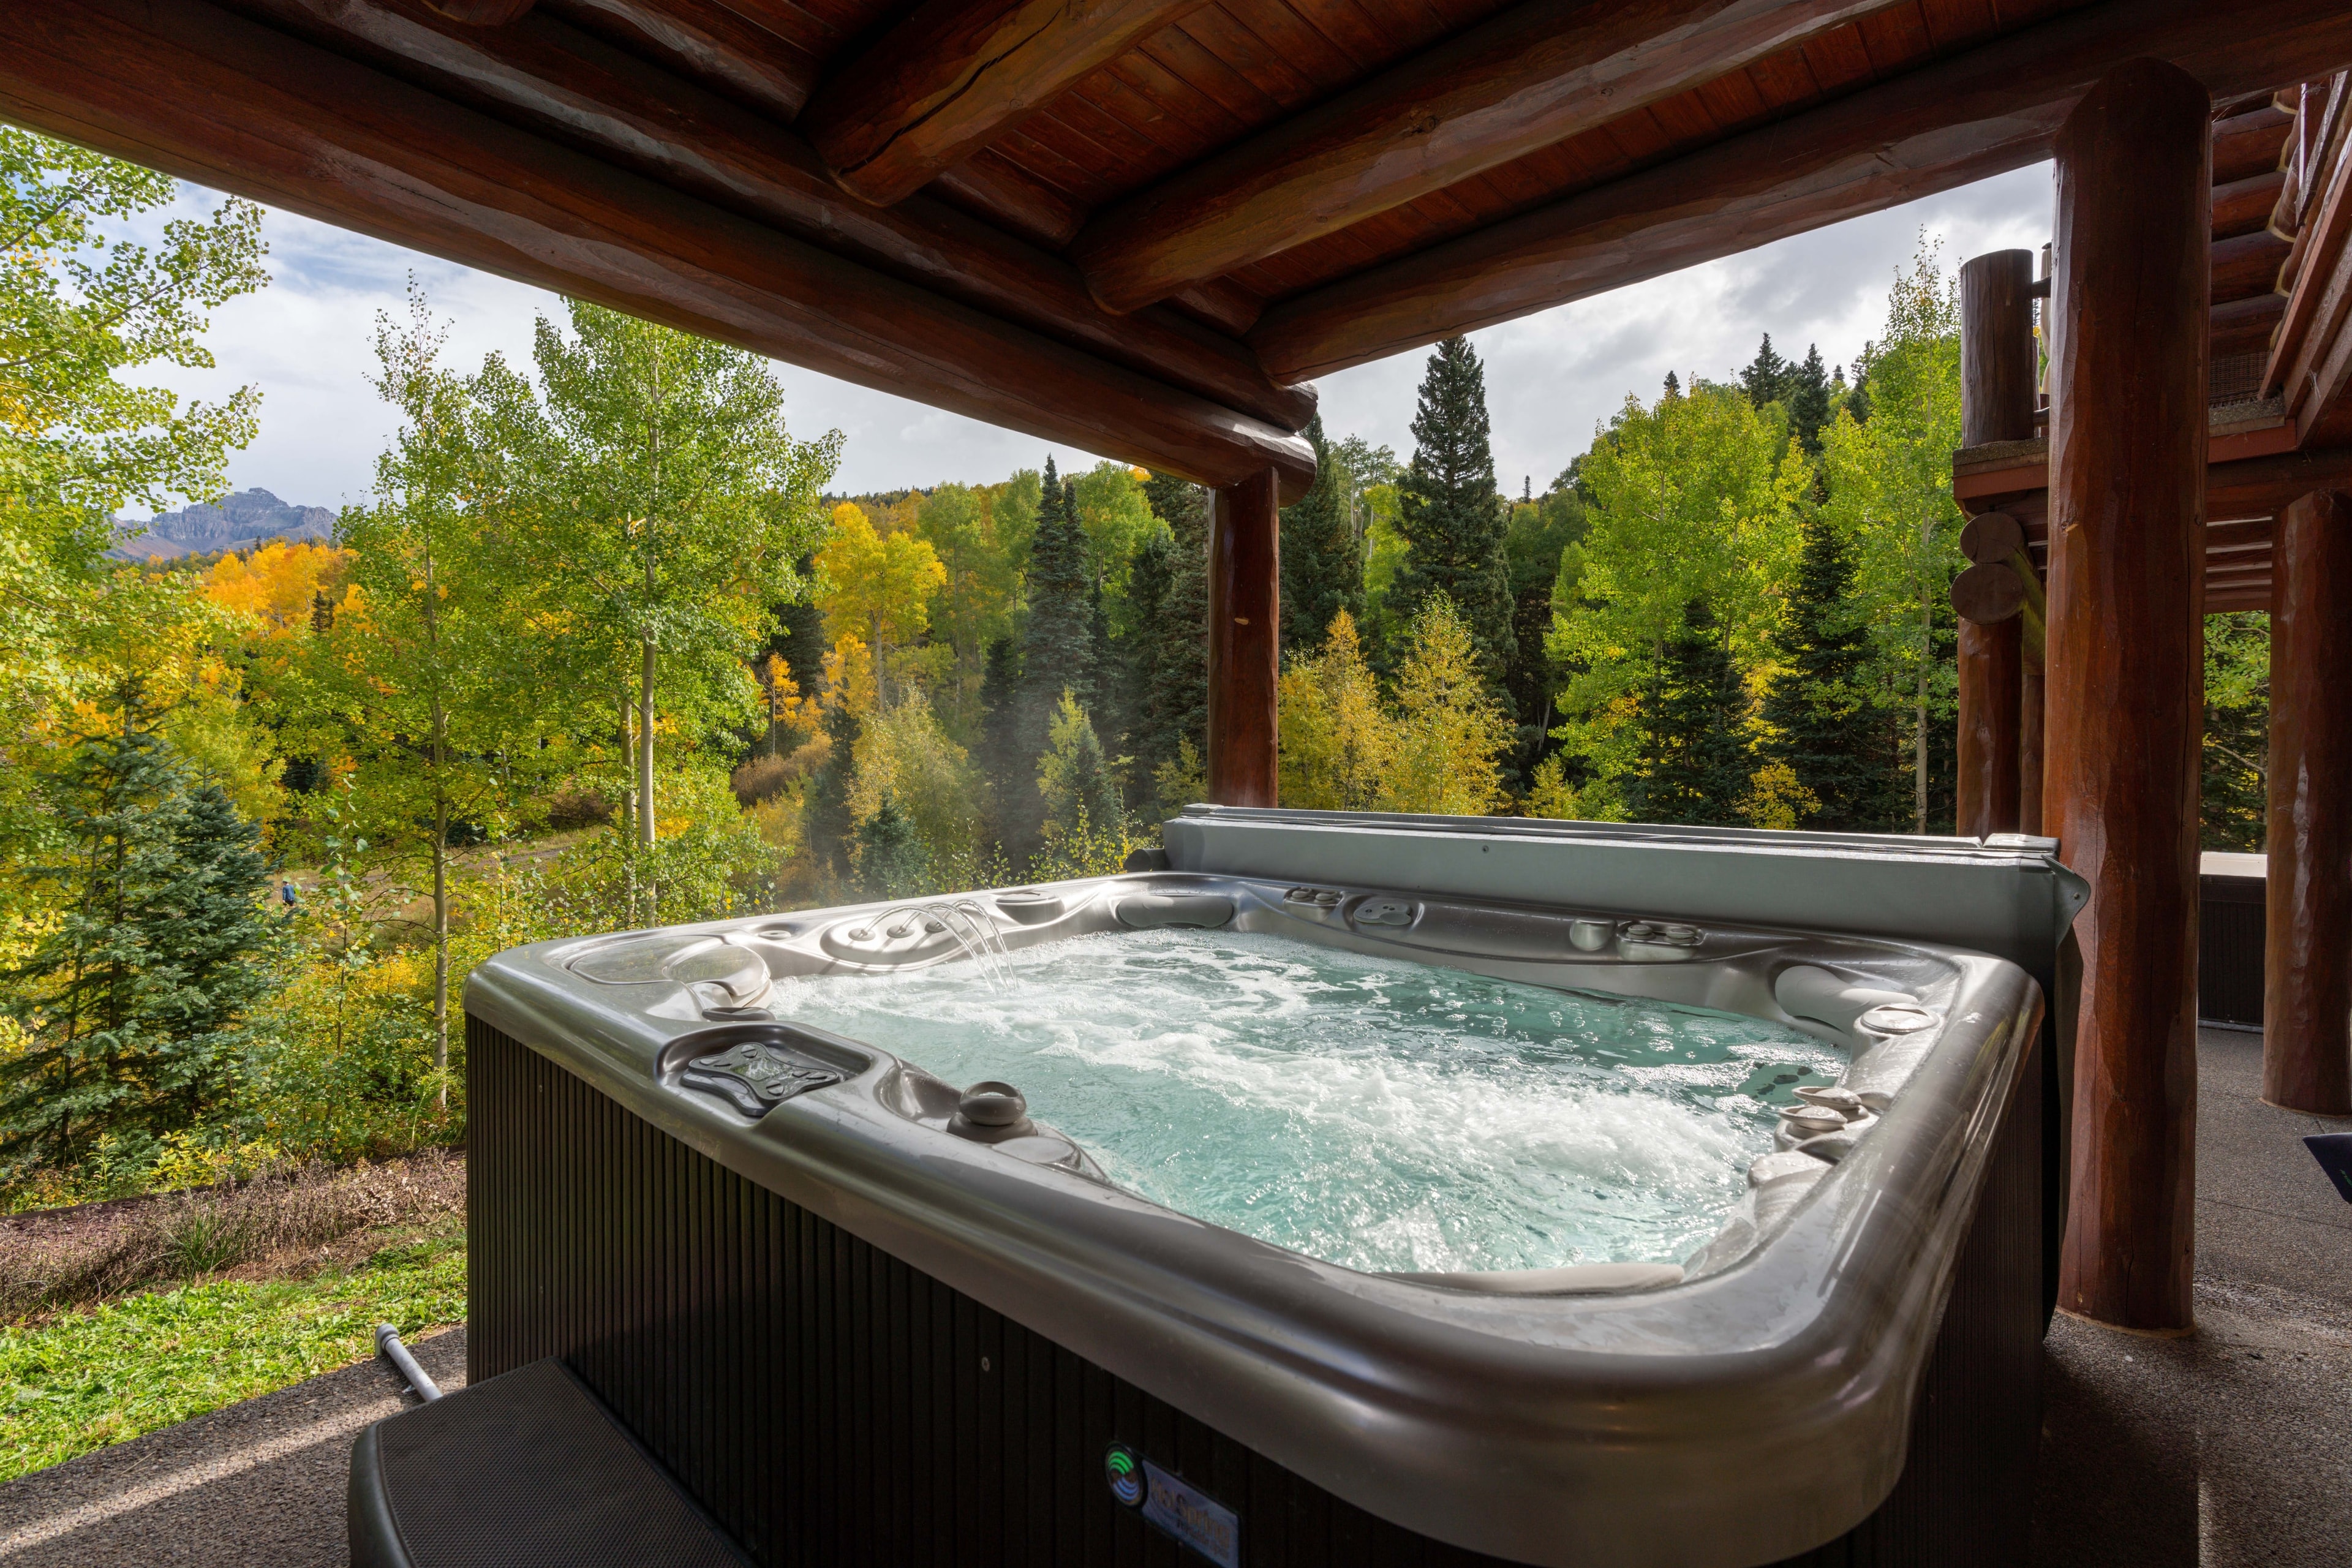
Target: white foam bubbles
1379 1113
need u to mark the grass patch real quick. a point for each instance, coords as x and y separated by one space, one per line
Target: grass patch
85 1379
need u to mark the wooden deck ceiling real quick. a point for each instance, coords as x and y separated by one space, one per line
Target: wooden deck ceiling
1137 226
2281 390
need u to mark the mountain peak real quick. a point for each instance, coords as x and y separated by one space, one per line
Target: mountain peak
237 521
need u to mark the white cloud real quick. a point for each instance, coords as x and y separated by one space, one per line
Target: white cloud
305 342
1551 377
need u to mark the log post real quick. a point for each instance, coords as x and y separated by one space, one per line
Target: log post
1990 667
2029 745
2307 963
2126 671
1997 376
1245 613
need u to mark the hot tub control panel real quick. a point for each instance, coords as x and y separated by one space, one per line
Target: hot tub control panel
755 1077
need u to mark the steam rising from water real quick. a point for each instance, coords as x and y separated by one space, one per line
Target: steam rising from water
1374 1113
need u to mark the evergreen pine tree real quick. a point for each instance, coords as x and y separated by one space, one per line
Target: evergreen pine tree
1057 638
1809 400
1450 514
1857 400
1102 659
1149 576
1322 561
1695 756
1816 708
1540 533
999 754
828 826
1673 386
799 636
892 862
1179 712
1057 652
132 1005
1766 379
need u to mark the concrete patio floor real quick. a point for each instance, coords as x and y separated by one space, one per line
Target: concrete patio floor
2229 1449
2233 1445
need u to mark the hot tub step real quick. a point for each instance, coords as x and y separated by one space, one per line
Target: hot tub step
525 1467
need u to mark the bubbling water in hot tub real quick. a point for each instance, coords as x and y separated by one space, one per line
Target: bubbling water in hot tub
1371 1111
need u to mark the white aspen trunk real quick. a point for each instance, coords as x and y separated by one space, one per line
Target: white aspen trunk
645 747
1926 660
440 931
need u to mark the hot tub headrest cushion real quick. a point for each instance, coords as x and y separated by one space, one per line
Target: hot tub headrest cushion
1157 910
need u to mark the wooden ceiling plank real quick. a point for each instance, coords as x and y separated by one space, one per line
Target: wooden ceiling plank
1343 24
1954 24
1524 182
557 79
1198 87
955 75
1077 161
215 98
1897 37
706 42
1294 44
1268 68
818 31
1097 108
1533 76
1960 119
1683 120
1731 99
1786 82
1839 61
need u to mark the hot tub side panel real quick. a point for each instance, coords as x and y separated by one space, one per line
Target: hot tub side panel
829 1403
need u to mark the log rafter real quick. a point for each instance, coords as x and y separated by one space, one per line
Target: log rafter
1536 75
554 78
955 74
258 113
1960 119
705 40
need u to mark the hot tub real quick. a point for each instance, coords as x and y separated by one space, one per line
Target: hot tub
867 1313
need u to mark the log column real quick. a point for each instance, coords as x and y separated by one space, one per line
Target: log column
2029 745
2307 964
1997 376
2127 439
1990 667
1244 608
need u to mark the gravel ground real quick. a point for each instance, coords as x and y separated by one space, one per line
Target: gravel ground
2230 1449
258 1485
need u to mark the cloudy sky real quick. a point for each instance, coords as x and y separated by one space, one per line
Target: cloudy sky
1550 378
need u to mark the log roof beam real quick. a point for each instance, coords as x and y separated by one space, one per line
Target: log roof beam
213 97
958 73
706 41
580 90
1960 119
1537 74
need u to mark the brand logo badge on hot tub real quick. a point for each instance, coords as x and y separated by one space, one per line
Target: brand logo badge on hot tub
1174 1506
1126 1474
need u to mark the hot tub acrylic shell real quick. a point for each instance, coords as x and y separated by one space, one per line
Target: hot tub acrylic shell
1742 1416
